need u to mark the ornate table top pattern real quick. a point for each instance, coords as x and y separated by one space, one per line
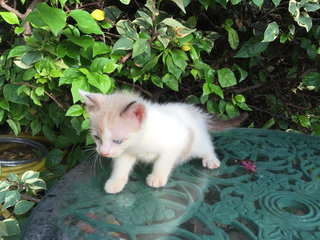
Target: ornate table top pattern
280 201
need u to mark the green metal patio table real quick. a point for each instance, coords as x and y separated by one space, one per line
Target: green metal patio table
281 200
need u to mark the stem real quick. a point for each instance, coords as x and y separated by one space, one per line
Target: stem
136 86
29 198
10 9
60 105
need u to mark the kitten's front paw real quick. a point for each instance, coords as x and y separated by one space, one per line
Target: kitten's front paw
211 163
114 186
156 181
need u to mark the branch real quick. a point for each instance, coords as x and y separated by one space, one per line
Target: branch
249 88
31 7
48 94
10 9
136 86
29 198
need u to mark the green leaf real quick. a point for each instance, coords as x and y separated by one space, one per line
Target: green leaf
233 38
311 79
84 41
18 30
11 198
304 20
206 89
38 184
80 83
98 64
125 30
243 73
35 98
35 127
172 68
240 98
110 66
31 57
276 2
1 116
75 110
171 82
48 132
13 177
100 48
179 58
212 107
100 81
15 126
56 114
145 17
140 46
252 48
28 74
226 77
258 3
4 104
112 13
12 227
180 4
53 158
151 6
304 121
243 106
53 17
269 124
29 176
22 207
10 17
157 81
126 2
17 51
231 110
69 76
76 124
172 22
85 22
4 191
123 43
205 3
217 90
271 33
311 6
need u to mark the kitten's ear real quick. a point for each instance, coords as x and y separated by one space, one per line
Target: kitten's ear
90 99
134 110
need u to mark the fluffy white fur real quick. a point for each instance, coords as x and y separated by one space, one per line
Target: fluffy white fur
165 135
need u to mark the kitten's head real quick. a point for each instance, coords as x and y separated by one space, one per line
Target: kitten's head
116 120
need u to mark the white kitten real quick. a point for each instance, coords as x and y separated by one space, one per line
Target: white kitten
127 128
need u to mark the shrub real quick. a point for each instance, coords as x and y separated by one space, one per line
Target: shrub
217 53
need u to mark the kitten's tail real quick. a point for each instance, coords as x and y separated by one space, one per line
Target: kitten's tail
216 124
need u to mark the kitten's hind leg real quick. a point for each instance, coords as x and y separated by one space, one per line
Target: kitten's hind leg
209 157
210 161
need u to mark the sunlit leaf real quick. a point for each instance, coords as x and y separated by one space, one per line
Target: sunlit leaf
98 15
22 207
85 22
10 17
180 4
271 33
226 77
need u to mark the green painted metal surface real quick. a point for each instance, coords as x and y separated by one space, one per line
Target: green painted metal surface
280 201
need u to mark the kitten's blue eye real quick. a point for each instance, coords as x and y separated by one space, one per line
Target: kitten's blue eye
117 141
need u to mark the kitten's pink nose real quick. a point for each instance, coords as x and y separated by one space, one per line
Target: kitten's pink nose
104 153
